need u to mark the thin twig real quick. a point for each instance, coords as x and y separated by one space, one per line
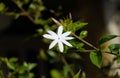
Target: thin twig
85 42
24 12
87 50
66 64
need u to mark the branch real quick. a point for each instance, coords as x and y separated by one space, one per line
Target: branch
24 12
66 64
87 43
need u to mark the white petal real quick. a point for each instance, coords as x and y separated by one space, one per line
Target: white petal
60 30
66 34
60 45
52 33
48 36
66 43
69 38
53 43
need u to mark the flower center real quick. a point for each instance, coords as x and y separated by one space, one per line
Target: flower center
58 37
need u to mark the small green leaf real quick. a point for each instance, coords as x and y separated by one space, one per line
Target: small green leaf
55 74
112 47
40 31
19 3
74 55
13 59
118 59
26 1
77 75
2 7
42 8
17 16
31 75
32 7
32 65
78 46
66 70
11 66
4 59
115 49
72 26
106 38
52 54
43 55
83 75
83 34
76 25
96 58
22 69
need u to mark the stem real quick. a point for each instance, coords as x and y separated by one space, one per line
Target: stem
85 42
37 13
88 51
1 74
24 13
66 64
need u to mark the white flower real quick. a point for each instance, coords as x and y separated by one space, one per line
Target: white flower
59 38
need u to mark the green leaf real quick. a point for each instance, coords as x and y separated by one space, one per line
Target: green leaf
78 46
83 75
43 55
96 58
32 65
55 74
52 54
112 47
74 55
78 25
42 21
77 75
31 75
115 49
106 38
66 70
17 16
4 59
11 66
11 63
26 1
13 59
32 7
2 6
83 34
80 74
19 3
118 59
42 8
72 26
22 69
40 31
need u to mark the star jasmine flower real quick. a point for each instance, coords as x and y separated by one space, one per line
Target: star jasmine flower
59 37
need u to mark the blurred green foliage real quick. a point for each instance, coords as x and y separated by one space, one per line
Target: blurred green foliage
16 70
